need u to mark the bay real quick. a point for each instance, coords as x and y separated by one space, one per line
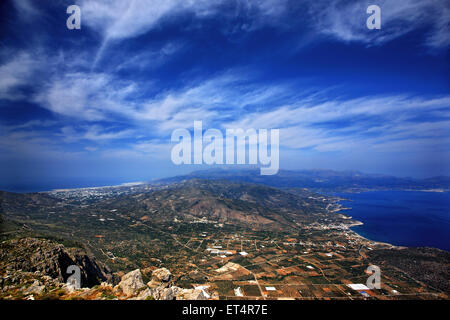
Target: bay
404 218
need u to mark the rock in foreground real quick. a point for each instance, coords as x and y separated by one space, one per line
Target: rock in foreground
36 269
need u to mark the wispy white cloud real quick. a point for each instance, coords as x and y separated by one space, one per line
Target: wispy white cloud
440 37
88 96
306 121
94 133
15 72
151 59
118 19
346 20
123 19
355 124
377 124
26 8
32 124
98 96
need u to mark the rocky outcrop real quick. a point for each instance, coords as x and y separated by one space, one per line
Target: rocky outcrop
176 293
159 288
162 288
36 269
160 278
162 275
132 283
192 294
52 259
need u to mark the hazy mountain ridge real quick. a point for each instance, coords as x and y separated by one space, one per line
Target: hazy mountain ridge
320 180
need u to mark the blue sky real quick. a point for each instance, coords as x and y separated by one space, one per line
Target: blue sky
98 105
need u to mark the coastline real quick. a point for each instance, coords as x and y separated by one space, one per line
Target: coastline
398 219
351 222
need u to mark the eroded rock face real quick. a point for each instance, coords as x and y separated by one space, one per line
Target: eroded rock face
35 268
132 283
52 259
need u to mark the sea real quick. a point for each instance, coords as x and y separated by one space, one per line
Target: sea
403 218
48 185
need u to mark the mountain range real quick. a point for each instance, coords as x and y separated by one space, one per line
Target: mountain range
320 180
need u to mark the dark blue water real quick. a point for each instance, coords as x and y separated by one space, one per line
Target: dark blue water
47 185
406 218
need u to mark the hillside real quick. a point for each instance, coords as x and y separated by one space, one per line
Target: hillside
428 265
220 201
